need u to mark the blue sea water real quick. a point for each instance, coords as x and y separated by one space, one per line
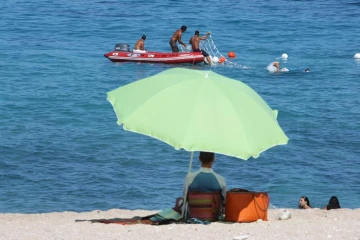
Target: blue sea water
60 146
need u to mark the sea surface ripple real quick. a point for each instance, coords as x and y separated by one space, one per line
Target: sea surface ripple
60 146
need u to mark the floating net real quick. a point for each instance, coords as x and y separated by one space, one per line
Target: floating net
209 46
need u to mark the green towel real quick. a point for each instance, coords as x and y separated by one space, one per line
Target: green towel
167 213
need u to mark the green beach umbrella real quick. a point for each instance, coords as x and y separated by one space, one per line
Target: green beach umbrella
198 110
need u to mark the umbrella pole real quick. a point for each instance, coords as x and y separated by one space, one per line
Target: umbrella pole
191 160
185 205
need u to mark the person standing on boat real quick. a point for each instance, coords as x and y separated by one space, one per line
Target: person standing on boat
177 38
195 42
140 45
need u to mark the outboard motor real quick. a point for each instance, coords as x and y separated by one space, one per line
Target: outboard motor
122 47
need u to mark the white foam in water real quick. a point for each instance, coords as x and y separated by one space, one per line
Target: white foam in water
357 56
284 56
284 70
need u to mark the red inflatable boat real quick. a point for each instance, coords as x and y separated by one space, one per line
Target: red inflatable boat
122 53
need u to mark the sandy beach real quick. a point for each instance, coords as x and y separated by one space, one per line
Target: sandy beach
304 224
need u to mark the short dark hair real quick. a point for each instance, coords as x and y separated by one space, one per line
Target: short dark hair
183 27
143 37
206 157
197 32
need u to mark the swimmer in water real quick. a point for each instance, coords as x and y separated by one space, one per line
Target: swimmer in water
274 67
307 70
277 65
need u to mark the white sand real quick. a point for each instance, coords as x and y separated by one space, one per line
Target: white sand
304 224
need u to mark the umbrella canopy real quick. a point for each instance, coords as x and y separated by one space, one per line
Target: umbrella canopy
198 111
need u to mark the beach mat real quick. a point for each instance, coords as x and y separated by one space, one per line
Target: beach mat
131 221
123 221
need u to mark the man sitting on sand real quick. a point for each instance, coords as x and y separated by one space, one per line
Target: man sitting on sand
205 179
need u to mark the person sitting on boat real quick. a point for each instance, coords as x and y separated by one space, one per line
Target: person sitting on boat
195 40
140 45
177 38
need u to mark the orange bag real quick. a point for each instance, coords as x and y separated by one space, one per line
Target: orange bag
244 206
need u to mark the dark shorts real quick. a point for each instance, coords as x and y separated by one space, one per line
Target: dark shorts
202 51
173 46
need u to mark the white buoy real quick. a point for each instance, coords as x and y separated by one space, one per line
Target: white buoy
215 59
284 70
357 56
284 56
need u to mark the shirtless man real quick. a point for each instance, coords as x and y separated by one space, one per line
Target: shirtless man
140 45
195 41
177 38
